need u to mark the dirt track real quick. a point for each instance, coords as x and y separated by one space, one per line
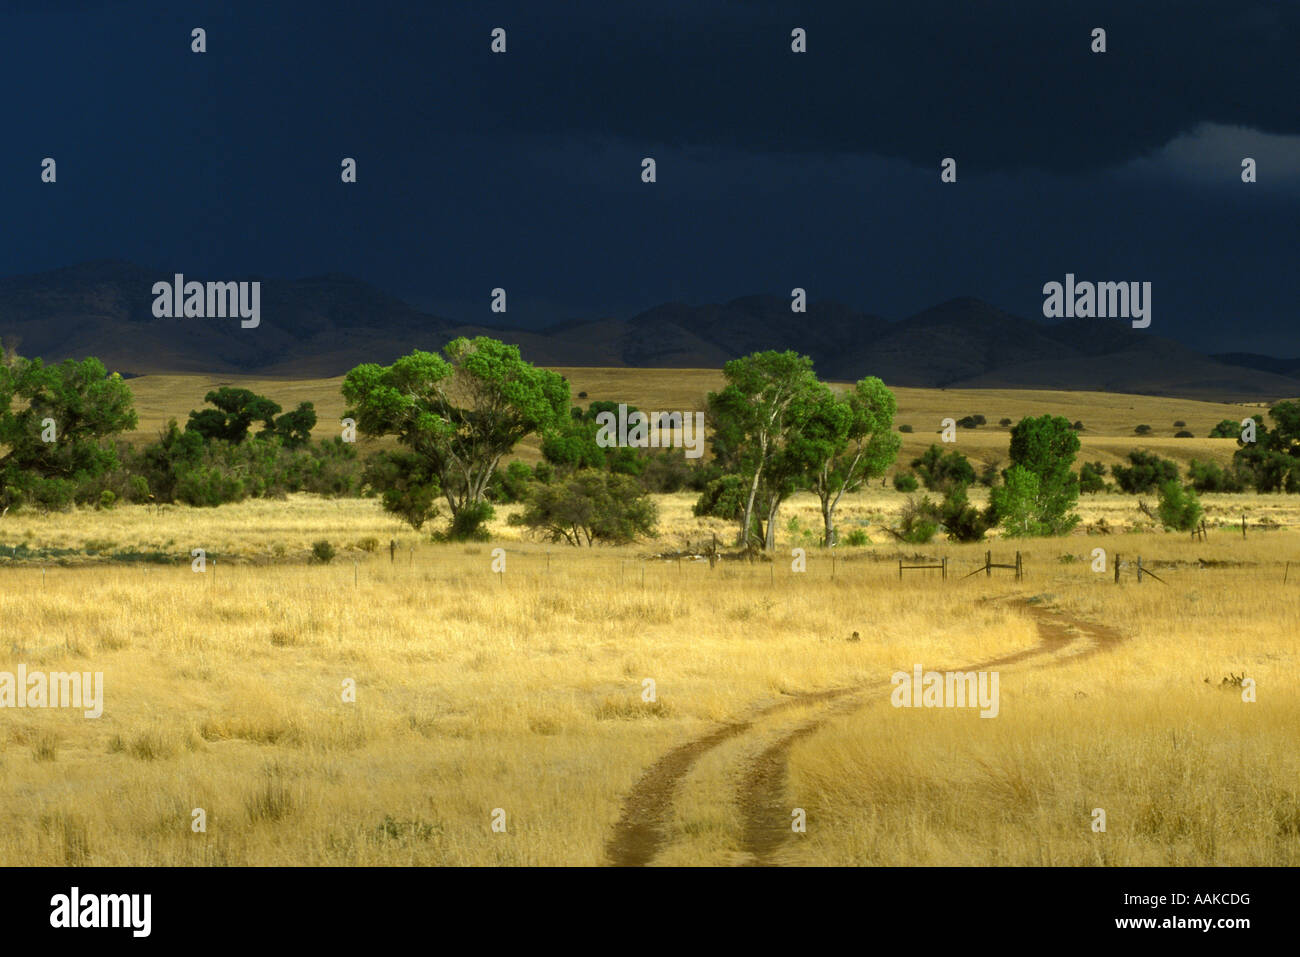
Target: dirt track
639 835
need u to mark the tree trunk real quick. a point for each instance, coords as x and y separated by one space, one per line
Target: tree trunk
769 542
828 519
747 519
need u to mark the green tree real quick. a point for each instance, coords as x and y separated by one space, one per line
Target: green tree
235 411
1273 459
294 428
847 440
767 397
460 412
1046 446
54 421
1227 429
1016 503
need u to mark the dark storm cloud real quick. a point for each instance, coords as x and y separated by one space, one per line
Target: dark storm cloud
1005 85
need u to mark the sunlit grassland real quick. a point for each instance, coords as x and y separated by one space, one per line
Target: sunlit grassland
1109 419
523 691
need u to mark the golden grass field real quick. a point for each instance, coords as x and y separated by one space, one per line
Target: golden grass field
523 691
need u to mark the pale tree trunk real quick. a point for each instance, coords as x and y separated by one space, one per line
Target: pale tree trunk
770 541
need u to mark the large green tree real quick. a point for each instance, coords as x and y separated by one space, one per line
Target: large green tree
848 439
461 412
1045 446
768 396
235 411
53 423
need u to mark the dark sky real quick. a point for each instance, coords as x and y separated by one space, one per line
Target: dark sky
775 170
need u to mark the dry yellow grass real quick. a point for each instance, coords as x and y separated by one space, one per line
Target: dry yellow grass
524 692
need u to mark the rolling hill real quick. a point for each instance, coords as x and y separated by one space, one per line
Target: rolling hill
324 325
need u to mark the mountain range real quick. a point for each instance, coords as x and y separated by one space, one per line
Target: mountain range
325 325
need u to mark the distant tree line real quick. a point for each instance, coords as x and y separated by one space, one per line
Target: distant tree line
456 416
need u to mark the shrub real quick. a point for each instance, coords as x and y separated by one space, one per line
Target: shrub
1184 434
905 428
322 552
1077 426
941 470
1004 422
510 484
1179 509
106 499
1092 477
666 471
723 498
989 473
409 489
1227 429
467 524
857 538
1143 430
905 482
1146 472
1180 424
920 521
1208 477
963 521
589 507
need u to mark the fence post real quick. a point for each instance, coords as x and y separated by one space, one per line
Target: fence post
1243 525
1019 567
900 569
944 568
988 564
1139 569
1117 568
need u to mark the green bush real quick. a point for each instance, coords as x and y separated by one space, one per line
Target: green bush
941 470
1208 477
322 552
723 498
589 507
1092 477
905 482
467 524
920 521
1179 509
1145 472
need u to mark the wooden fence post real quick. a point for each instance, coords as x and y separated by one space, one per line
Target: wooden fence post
900 569
1139 569
944 571
988 564
1020 570
1117 568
